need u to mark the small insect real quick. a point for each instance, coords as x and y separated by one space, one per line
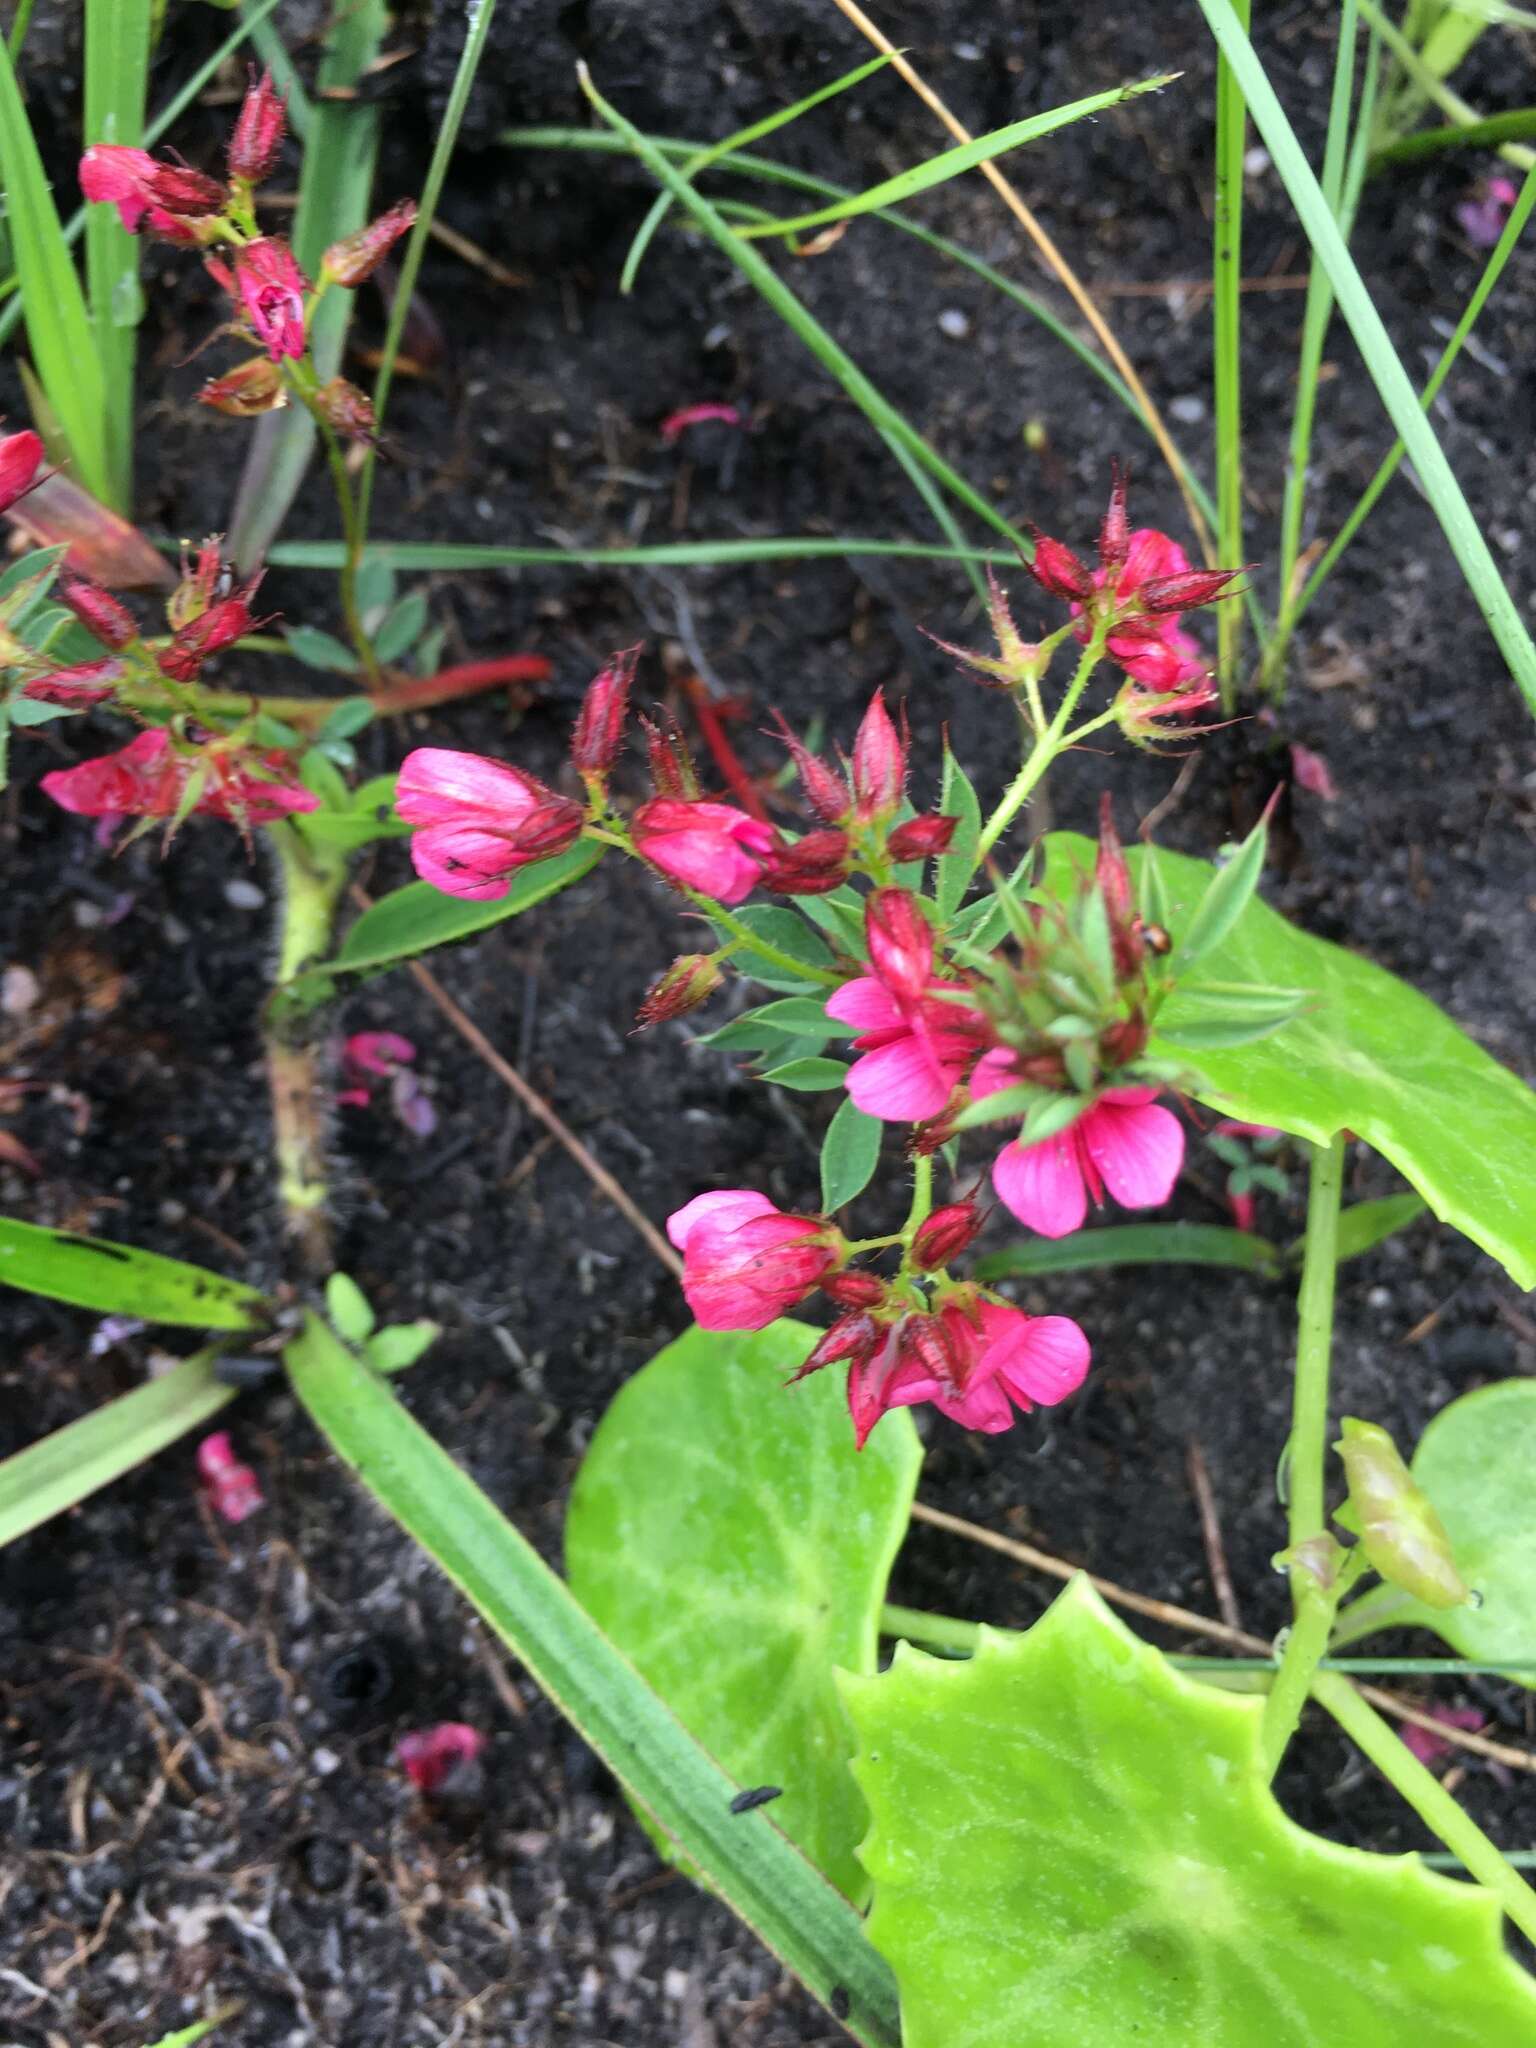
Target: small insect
1153 937
759 1795
839 2003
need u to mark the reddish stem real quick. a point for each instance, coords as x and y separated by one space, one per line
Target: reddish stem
421 693
721 752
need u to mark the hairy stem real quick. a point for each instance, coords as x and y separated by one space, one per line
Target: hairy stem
1050 743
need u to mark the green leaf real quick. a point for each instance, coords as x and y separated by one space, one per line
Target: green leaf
348 1308
1226 897
952 876
418 917
771 1023
784 930
403 627
1135 1244
1369 1055
318 772
119 1279
350 829
63 1469
812 1075
400 1345
58 325
850 1152
950 163
375 586
1073 1843
186 2037
1364 1225
716 1505
320 650
744 1858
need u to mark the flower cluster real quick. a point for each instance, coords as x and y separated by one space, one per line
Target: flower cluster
1031 1009
272 301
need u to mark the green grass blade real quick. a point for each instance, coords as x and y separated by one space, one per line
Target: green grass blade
662 204
170 113
1227 346
797 317
749 1864
59 328
335 187
479 19
1514 227
677 554
61 1470
1519 125
951 163
123 1279
1135 1244
1375 344
116 80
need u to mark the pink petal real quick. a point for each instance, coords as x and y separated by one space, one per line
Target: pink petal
898 1083
438 785
726 1208
864 1004
464 860
1138 1148
1041 1359
1043 1184
983 1406
1151 554
993 1071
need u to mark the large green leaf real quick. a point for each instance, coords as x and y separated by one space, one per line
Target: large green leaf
726 1534
1074 1846
1369 1055
418 917
746 1859
120 1279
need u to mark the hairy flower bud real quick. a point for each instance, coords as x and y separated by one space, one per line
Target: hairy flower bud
1404 1538
900 943
879 768
346 410
946 1234
852 1338
1057 570
220 626
1112 877
249 388
599 729
356 257
854 1289
258 131
87 682
922 838
813 866
673 773
177 190
1115 533
232 1487
691 980
827 794
1185 592
101 615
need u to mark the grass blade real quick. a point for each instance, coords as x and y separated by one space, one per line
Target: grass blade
123 1279
702 160
59 328
1227 351
870 401
1375 344
335 188
1135 1244
755 1869
63 1469
479 19
116 80
1491 133
951 163
677 554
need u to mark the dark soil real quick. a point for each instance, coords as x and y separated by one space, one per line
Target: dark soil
191 1805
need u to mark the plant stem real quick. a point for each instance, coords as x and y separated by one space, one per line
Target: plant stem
922 1198
313 876
303 381
941 1631
1043 752
744 935
1226 316
1314 1604
1429 1799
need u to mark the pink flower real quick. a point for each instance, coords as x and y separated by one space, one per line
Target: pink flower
1429 1747
385 1055
147 778
1311 772
88 682
483 821
913 1055
113 175
713 848
1481 218
1125 1143
231 1487
271 288
1153 649
745 1263
440 1758
975 1360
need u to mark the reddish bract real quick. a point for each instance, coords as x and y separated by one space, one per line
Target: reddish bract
101 615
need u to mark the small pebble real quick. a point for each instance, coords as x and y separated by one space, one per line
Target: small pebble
243 895
18 991
1189 410
954 323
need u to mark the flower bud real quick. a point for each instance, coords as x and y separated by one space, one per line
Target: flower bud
852 1337
1404 1538
1112 876
20 458
356 257
1186 592
194 593
922 838
900 943
673 774
946 1234
220 626
177 190
879 762
826 793
101 615
88 682
691 980
249 388
258 131
853 1289
1115 533
1124 1041
599 729
813 866
346 410
1057 570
